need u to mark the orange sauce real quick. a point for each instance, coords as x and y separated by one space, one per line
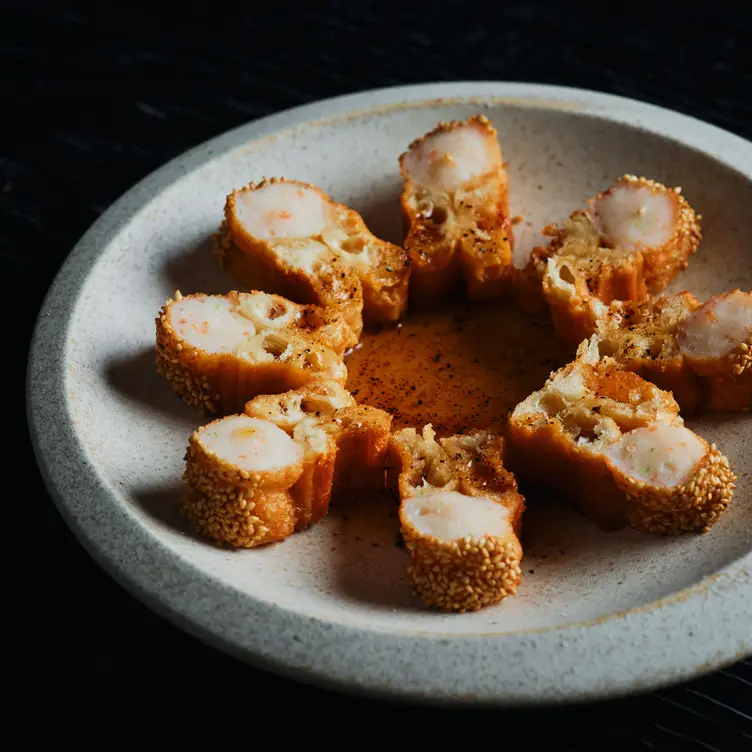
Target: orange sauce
460 367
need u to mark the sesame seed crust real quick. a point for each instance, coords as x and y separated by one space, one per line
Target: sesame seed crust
241 509
460 237
693 507
727 381
741 358
180 364
231 506
464 575
239 520
345 449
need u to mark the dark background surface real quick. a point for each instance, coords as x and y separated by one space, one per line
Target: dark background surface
96 96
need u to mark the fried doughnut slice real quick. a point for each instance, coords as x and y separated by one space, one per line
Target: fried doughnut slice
456 212
361 433
289 237
249 483
219 351
614 446
716 341
633 240
460 515
700 352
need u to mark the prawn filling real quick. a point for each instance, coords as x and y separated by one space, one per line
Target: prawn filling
455 208
453 155
218 351
280 211
451 516
250 445
290 237
633 240
660 454
211 324
636 217
616 448
643 215
460 516
719 328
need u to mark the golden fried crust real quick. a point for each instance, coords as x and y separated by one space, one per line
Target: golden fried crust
643 338
254 264
360 433
727 381
568 471
463 235
600 269
239 520
580 275
240 509
663 263
221 383
465 574
727 394
312 492
376 290
567 432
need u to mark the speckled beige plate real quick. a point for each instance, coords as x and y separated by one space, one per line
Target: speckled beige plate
600 614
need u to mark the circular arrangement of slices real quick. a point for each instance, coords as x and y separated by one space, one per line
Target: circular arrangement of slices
288 439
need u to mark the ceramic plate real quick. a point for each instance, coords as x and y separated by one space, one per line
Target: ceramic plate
597 614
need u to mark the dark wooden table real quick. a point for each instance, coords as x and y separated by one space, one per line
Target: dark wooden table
97 95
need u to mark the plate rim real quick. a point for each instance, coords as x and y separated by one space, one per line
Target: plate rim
445 668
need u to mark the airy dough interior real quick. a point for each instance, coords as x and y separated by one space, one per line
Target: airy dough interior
598 404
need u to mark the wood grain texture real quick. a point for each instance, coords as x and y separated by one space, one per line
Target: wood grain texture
99 94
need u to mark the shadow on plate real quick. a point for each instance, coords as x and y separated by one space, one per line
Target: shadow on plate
135 377
163 505
382 213
196 270
367 557
552 529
